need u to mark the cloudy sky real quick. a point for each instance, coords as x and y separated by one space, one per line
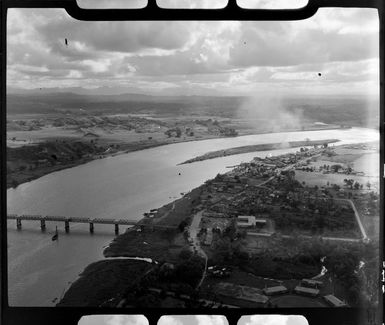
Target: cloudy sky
192 320
196 58
113 320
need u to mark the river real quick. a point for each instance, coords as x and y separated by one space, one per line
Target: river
124 186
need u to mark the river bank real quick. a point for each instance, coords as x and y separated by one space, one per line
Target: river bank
111 279
258 147
47 157
30 162
150 240
169 245
100 189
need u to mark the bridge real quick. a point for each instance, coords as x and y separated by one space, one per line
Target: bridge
90 221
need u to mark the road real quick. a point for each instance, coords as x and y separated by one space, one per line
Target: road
157 220
350 240
356 214
193 234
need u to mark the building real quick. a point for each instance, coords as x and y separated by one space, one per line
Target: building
275 290
334 301
250 221
209 238
311 283
306 291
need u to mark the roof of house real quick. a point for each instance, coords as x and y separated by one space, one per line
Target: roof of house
307 290
274 289
334 301
311 281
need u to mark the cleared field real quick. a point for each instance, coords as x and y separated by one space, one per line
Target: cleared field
361 160
319 179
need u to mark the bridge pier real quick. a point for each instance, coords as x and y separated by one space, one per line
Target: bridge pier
42 225
67 226
59 219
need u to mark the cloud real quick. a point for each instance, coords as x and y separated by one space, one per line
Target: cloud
126 320
296 320
197 59
209 4
170 320
213 57
288 47
211 320
273 320
272 4
100 4
120 36
114 320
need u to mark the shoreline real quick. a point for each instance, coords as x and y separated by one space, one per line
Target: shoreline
256 148
131 242
132 147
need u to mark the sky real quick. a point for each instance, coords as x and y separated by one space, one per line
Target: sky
113 320
196 58
193 320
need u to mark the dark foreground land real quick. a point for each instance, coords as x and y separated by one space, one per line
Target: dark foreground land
206 258
111 277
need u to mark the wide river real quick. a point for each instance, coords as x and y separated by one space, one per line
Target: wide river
124 186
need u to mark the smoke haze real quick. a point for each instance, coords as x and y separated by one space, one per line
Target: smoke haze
269 113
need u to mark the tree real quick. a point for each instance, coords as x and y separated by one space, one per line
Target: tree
336 168
168 133
185 254
190 271
336 187
182 225
178 132
349 182
368 185
231 229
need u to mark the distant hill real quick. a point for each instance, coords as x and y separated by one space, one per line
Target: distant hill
352 111
33 102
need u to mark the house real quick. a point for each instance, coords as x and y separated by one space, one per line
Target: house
311 283
306 291
334 301
209 238
250 221
90 135
275 290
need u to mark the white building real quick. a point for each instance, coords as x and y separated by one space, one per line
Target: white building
250 221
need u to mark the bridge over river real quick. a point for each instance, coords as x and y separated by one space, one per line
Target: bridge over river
90 221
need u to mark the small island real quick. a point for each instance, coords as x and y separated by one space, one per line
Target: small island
259 147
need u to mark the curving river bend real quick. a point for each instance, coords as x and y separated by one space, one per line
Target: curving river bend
125 186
